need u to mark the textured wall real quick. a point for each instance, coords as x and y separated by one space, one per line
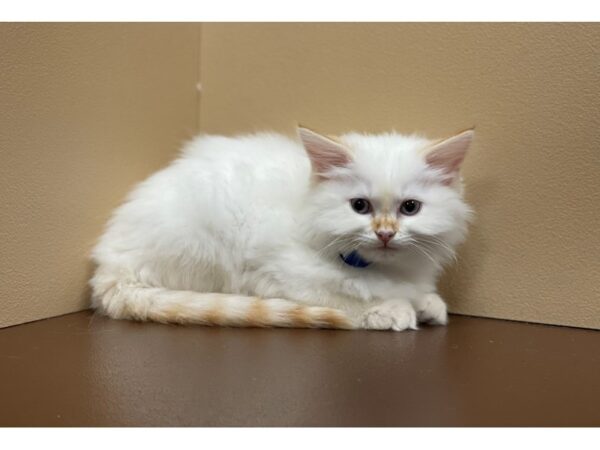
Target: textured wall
86 110
530 89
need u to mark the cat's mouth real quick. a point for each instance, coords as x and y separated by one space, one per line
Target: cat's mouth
386 248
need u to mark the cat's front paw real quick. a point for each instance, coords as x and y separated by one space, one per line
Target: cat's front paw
432 309
392 315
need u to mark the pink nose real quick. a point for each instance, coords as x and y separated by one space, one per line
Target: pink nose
385 236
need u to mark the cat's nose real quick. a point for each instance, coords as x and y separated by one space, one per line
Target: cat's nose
385 236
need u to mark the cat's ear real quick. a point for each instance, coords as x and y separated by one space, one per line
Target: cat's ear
448 154
325 154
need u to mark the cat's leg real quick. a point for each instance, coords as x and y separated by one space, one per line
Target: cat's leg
431 309
397 315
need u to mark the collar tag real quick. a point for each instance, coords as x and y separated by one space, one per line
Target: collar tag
354 259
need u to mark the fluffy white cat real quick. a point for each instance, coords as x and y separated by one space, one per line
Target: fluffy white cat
263 230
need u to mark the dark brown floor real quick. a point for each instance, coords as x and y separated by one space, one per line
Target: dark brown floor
82 370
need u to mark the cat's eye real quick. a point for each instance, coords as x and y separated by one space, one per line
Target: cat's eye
410 207
360 205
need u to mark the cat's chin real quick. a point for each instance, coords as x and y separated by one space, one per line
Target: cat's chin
385 249
380 253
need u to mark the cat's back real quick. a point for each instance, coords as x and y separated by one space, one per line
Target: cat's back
234 190
264 165
259 152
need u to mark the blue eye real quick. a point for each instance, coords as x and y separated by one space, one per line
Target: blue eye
410 207
360 205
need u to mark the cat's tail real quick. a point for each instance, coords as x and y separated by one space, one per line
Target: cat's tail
123 300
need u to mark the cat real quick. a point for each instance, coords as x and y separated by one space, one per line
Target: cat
348 232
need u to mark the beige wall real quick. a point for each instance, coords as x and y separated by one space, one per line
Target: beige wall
86 110
532 90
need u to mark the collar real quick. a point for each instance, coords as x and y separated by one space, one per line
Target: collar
354 259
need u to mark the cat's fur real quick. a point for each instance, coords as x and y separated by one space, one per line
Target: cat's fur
248 231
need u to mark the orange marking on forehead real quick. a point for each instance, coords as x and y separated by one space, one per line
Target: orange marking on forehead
385 222
387 201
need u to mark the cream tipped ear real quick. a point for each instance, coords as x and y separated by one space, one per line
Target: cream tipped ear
325 154
449 154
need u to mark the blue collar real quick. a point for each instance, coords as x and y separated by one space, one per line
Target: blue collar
354 259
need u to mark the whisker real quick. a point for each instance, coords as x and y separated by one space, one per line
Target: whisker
436 242
424 252
332 243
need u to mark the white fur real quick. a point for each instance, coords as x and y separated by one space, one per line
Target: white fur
242 215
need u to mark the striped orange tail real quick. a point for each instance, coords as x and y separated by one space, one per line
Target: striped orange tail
127 301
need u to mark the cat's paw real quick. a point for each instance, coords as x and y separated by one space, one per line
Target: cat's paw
392 315
432 309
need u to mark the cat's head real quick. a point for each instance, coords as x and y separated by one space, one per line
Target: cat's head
386 196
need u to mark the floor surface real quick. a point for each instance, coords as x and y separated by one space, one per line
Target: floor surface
86 370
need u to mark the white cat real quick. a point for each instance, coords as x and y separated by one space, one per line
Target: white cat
263 230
